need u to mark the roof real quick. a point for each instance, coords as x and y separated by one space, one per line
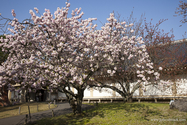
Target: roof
170 55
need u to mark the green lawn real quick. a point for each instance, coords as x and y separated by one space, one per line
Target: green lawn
14 110
122 114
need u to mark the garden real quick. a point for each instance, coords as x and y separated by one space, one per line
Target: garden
55 53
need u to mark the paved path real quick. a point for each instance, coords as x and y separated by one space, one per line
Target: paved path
62 108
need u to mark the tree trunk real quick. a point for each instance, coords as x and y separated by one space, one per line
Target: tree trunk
129 98
124 99
4 96
79 99
76 107
29 110
71 102
79 106
28 99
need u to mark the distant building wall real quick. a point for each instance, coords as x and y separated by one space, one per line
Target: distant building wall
151 90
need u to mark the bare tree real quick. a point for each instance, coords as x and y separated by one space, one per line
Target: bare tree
181 10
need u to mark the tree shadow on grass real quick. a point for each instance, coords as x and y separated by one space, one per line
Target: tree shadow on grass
58 119
10 107
16 106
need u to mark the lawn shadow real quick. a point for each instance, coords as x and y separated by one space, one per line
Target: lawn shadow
10 107
16 106
64 120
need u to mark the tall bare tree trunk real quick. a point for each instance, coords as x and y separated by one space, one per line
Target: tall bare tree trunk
28 99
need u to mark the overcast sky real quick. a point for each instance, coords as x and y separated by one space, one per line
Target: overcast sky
101 9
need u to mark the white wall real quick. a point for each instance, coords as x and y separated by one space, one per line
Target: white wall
87 93
104 93
14 95
181 84
53 96
163 89
136 93
61 95
158 90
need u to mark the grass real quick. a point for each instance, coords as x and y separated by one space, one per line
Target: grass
122 114
14 110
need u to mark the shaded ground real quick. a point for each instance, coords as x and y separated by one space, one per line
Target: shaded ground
62 108
13 110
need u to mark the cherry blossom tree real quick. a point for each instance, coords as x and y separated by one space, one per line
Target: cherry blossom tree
53 52
130 64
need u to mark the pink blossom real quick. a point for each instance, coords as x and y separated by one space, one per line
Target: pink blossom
123 23
109 71
13 13
160 68
36 9
122 58
140 75
115 68
141 42
68 5
139 81
130 56
156 73
126 25
143 78
131 24
132 31
78 11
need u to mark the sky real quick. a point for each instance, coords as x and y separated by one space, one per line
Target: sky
101 9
